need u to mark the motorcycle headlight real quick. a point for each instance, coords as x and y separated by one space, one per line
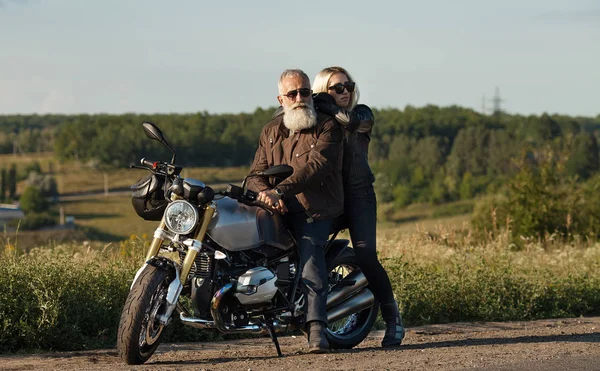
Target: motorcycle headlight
181 217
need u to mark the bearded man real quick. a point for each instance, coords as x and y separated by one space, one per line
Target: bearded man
312 197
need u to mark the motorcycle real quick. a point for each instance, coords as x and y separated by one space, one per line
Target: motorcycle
220 262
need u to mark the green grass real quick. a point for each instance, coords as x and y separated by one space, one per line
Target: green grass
69 296
109 218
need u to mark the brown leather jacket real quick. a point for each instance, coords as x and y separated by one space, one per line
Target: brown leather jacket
358 123
316 156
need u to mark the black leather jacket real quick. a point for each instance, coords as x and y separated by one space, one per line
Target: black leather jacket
358 123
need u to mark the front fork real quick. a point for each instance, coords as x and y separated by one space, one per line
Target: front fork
194 246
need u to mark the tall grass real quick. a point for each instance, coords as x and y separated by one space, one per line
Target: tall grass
70 296
447 276
64 298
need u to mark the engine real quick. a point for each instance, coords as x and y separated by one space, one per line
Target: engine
256 286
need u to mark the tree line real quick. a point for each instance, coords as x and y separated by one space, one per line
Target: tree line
427 154
8 183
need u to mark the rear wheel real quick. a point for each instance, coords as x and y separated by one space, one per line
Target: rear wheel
351 330
140 330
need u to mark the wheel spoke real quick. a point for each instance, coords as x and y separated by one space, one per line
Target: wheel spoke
151 327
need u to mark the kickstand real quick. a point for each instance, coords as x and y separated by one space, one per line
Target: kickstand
269 324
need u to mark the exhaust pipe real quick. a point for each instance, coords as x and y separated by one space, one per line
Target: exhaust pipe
361 301
218 319
345 288
339 303
220 324
203 324
197 322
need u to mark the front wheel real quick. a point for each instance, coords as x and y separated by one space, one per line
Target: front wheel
351 330
140 330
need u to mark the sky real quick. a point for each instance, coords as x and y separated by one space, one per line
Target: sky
152 56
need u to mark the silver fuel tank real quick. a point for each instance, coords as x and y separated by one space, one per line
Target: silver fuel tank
237 227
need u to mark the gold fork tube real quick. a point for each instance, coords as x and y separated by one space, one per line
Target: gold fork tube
192 252
156 242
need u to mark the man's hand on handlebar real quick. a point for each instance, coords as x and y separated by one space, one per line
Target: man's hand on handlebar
270 200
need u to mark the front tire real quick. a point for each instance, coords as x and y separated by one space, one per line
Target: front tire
140 331
348 332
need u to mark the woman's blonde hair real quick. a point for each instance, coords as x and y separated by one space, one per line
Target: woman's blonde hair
321 83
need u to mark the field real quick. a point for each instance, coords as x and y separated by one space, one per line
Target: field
63 288
68 296
74 177
110 217
98 216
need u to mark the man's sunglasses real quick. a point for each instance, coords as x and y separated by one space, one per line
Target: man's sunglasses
304 92
339 87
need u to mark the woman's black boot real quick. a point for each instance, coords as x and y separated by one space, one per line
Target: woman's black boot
394 328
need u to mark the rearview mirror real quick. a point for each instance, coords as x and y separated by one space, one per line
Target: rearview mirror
153 132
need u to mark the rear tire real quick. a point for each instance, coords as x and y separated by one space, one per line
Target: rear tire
140 332
348 332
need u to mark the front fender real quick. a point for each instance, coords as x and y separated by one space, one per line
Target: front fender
159 262
337 248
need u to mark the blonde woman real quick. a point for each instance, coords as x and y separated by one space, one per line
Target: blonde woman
337 95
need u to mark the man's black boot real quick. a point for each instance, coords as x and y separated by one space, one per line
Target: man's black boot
317 340
394 328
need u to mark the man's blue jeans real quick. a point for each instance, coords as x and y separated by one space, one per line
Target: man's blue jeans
312 235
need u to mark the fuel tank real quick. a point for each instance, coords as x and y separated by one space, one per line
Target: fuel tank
237 227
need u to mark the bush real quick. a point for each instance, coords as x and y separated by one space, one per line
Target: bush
33 200
454 208
71 297
403 195
33 221
383 188
487 284
45 182
541 202
491 215
29 167
51 301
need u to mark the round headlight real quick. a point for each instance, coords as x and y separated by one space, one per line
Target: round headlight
181 217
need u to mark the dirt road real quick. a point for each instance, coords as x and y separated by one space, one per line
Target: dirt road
572 344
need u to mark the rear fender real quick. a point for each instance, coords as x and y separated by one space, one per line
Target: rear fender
337 248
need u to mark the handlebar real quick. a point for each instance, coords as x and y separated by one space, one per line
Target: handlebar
159 167
238 193
247 197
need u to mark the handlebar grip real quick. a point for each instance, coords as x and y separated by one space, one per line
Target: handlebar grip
147 163
250 195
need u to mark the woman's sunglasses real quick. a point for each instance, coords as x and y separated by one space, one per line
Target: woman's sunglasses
304 92
339 87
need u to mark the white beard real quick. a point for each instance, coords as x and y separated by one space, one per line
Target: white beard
299 116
